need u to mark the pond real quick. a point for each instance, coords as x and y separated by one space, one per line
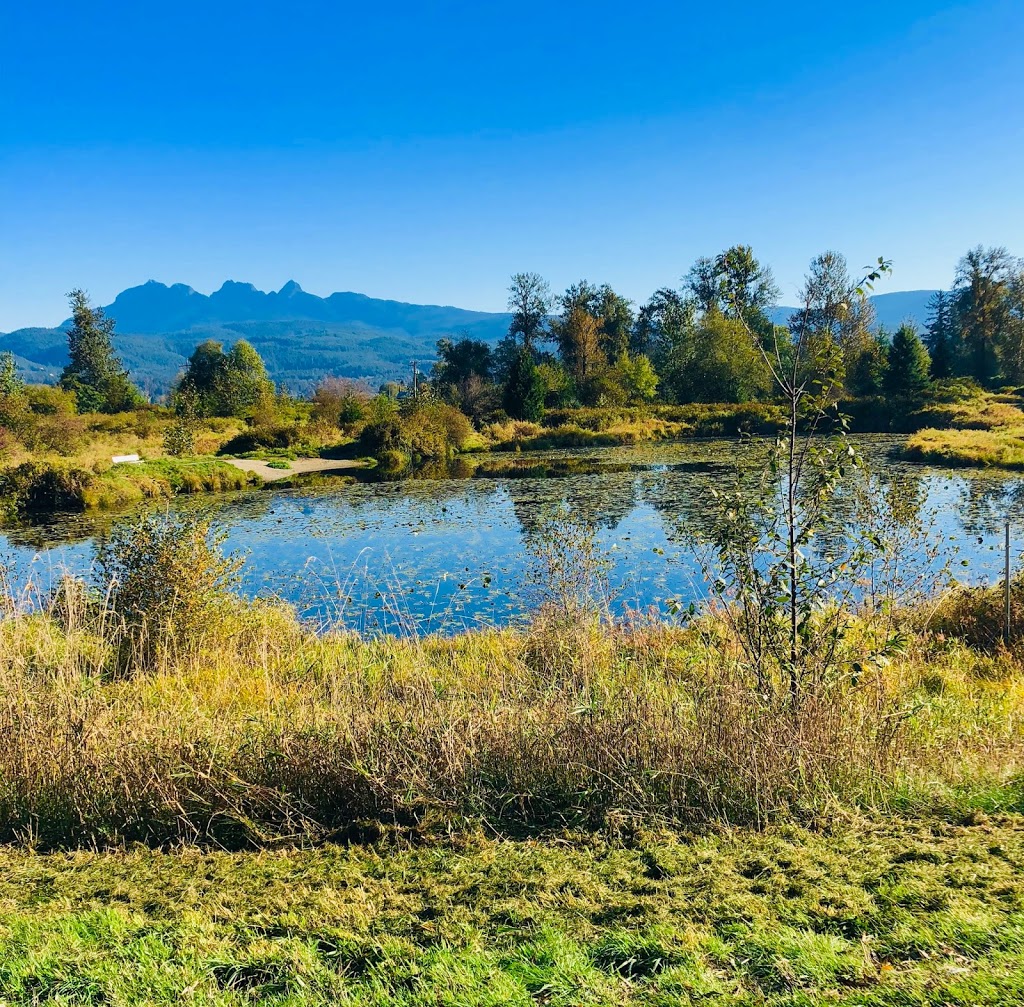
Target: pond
444 555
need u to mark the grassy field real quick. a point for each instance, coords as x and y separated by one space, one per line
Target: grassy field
250 727
858 912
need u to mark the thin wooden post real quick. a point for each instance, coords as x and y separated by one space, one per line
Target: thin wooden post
1006 587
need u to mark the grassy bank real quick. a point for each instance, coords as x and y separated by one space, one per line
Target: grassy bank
613 426
987 431
206 802
252 727
868 912
46 486
1001 447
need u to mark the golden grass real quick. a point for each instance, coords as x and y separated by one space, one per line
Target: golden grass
1002 447
268 729
90 440
985 431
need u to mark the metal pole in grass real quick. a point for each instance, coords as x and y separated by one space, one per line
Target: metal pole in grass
1006 587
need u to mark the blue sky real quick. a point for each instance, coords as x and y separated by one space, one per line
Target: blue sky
426 151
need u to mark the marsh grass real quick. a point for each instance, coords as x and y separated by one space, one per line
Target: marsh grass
999 447
985 431
269 730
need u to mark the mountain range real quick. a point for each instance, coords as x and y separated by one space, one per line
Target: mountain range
301 336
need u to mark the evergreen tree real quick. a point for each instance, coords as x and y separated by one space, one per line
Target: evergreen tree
908 370
523 396
94 372
940 335
10 383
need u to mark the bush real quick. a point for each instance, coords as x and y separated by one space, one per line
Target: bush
48 400
62 433
166 584
263 437
340 402
435 429
427 430
40 487
379 438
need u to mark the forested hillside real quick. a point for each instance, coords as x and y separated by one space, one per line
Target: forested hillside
301 337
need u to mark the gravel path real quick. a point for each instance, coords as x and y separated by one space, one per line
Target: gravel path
295 467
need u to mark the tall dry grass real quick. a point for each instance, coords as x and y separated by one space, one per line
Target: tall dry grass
266 730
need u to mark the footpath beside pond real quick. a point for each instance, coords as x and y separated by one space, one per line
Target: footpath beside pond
298 466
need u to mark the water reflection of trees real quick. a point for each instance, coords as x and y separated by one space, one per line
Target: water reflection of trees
986 501
53 530
678 482
599 501
881 499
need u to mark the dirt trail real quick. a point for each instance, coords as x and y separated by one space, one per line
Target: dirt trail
295 467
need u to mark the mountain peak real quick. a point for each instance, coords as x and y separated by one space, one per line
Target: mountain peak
235 285
290 288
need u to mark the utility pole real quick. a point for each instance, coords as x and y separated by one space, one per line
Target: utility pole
414 389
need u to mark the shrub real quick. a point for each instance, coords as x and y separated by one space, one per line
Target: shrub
377 439
340 402
48 400
41 487
166 583
428 430
435 429
63 433
263 437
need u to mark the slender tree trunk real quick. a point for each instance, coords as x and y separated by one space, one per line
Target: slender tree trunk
794 685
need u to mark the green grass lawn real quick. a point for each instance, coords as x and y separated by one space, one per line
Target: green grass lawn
862 913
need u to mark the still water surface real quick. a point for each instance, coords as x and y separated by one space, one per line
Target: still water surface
444 555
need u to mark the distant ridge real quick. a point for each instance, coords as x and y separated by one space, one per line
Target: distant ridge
302 336
155 308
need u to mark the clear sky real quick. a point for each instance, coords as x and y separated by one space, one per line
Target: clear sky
425 151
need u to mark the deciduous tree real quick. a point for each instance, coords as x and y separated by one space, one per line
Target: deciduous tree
982 310
529 300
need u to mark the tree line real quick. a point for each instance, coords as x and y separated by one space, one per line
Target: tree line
703 341
589 346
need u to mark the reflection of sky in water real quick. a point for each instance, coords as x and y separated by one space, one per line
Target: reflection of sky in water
444 555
